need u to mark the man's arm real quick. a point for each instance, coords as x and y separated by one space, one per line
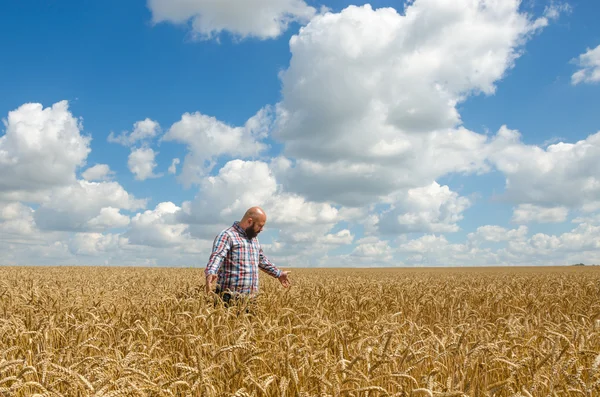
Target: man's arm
221 246
267 266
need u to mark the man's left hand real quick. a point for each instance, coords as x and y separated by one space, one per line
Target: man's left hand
284 279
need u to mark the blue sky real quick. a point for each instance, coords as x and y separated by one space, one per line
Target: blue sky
117 63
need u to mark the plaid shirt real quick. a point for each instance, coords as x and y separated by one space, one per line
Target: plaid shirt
236 260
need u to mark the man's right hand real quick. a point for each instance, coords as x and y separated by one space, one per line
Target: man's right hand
210 280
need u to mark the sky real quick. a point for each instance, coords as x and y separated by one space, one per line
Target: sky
388 133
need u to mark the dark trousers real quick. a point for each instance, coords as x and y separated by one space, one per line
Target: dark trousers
230 300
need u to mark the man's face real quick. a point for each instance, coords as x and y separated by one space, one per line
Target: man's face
255 228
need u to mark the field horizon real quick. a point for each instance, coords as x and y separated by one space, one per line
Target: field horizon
201 267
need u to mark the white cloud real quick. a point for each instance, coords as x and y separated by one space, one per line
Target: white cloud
290 210
429 209
16 220
95 243
141 163
368 252
98 172
553 10
86 206
304 227
10 211
430 243
342 237
47 252
592 219
42 148
343 182
264 19
562 175
370 97
306 246
173 166
240 185
109 217
143 130
41 200
373 248
580 245
436 250
100 249
22 243
160 228
583 241
526 213
589 63
493 233
208 138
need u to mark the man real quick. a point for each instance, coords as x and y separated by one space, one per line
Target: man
236 258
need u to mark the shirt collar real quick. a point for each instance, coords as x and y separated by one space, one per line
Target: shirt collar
237 227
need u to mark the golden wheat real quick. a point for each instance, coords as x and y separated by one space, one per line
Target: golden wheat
336 332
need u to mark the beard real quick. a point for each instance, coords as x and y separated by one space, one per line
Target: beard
250 232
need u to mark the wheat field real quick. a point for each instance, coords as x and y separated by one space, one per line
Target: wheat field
336 332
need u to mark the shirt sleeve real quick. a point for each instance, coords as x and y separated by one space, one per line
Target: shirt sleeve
265 264
221 247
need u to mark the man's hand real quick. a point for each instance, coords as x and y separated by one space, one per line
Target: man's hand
210 280
284 279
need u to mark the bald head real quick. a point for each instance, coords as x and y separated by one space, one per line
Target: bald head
255 213
253 221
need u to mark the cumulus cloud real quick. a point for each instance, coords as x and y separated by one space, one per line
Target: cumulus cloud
95 243
430 243
242 184
562 175
526 213
495 234
301 225
141 163
372 249
86 206
582 240
109 217
429 209
98 172
16 220
42 148
436 250
40 155
160 228
100 249
238 186
49 251
370 96
515 247
592 219
143 131
306 246
207 139
367 252
264 19
589 67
